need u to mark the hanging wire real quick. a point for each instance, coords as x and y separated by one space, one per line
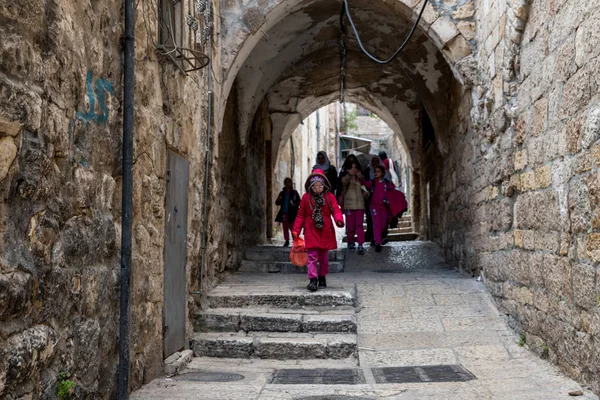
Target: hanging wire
343 46
346 11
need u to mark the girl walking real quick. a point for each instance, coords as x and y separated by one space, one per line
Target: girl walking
289 201
354 207
379 187
317 207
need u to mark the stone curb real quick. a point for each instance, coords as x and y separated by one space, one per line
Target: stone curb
176 362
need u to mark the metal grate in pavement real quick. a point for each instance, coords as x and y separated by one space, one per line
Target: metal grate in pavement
431 373
319 376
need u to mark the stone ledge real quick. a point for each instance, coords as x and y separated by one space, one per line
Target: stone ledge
283 346
283 267
176 362
282 300
277 253
228 320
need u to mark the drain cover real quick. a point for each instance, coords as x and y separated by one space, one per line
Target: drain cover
209 377
319 376
335 397
432 373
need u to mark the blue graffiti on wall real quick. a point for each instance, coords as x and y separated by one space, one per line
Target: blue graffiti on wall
98 92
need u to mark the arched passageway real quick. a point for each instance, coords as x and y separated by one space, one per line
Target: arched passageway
289 64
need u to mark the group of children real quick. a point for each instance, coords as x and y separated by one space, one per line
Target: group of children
313 213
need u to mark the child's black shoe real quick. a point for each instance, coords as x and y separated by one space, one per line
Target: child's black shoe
378 248
286 244
361 249
312 285
322 282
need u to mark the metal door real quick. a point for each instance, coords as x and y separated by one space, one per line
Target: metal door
176 211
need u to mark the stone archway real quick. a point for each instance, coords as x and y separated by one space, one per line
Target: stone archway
291 58
283 61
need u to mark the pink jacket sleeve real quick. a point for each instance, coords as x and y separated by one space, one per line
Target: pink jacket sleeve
299 222
337 212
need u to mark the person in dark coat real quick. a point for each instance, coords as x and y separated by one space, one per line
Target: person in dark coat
289 202
329 170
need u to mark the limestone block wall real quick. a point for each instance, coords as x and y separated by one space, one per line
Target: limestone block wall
60 182
517 196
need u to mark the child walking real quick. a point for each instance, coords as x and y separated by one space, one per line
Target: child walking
354 207
379 187
317 207
289 201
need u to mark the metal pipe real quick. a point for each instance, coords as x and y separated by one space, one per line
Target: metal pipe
206 167
318 130
127 198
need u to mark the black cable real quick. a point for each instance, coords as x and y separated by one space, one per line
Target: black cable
346 10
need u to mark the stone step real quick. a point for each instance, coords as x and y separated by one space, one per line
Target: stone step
279 253
401 230
274 320
402 237
283 267
297 297
280 346
404 224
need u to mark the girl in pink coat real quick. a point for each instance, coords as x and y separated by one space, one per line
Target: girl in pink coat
317 207
379 188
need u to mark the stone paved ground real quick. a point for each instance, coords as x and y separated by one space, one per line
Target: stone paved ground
412 311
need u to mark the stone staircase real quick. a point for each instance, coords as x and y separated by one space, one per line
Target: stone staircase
403 233
264 311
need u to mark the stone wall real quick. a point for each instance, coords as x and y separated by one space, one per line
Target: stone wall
60 181
517 196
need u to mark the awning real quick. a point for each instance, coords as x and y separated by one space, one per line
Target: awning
353 143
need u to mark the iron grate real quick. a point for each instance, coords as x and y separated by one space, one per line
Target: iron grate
431 373
319 376
209 377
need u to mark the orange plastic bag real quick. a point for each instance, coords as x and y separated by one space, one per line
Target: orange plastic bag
298 254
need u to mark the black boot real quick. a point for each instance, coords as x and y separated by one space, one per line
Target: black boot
286 244
378 248
322 282
312 285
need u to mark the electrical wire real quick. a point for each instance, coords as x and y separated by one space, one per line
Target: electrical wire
346 10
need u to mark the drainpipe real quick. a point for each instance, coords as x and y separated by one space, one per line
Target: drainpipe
318 131
207 166
127 198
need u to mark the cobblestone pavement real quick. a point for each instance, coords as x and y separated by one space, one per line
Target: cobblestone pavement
412 310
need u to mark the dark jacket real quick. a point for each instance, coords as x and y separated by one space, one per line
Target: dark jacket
293 205
332 177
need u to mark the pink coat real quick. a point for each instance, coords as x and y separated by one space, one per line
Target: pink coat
318 238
